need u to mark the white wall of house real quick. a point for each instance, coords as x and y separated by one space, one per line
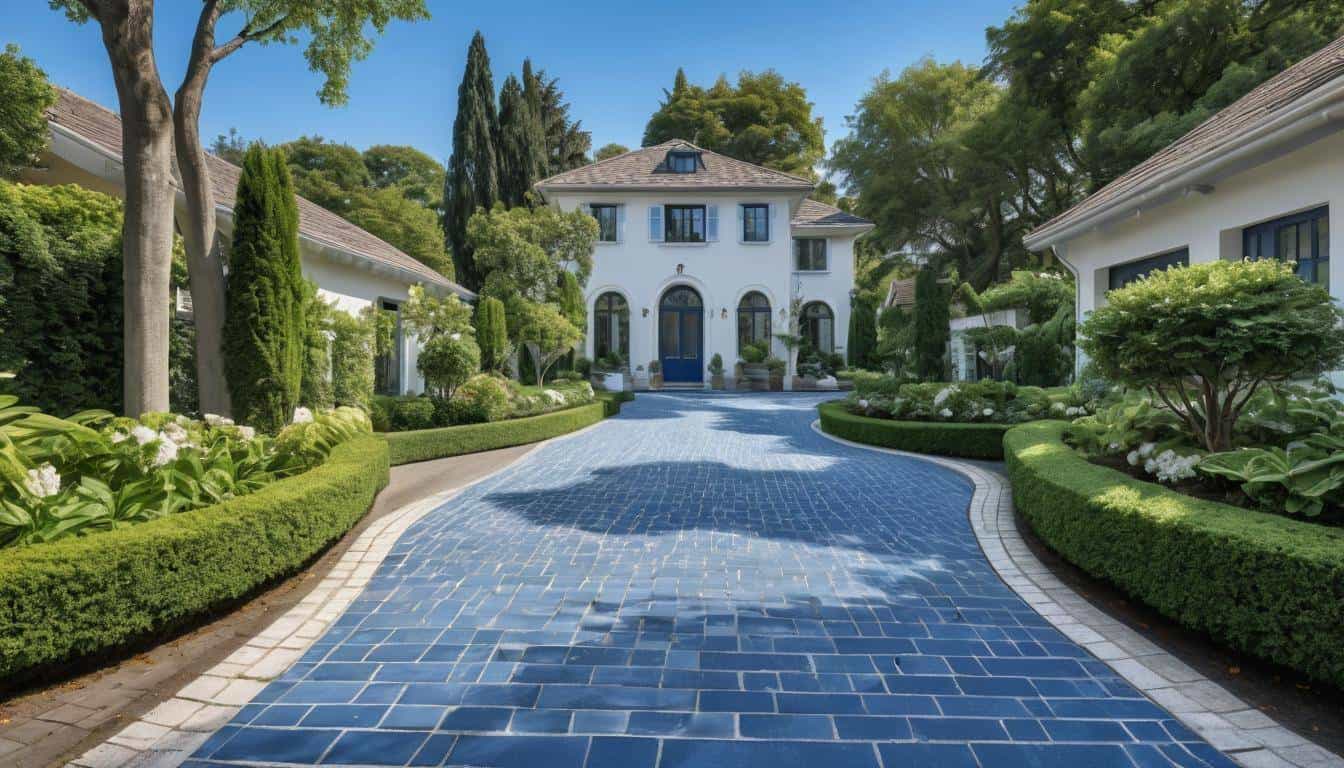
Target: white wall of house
722 272
1210 224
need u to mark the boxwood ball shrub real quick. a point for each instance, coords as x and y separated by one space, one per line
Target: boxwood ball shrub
1261 583
1202 339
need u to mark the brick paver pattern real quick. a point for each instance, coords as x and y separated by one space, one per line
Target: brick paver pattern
702 581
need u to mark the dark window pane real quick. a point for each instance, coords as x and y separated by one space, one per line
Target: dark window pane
681 297
669 334
1124 274
810 254
685 224
755 223
690 335
606 222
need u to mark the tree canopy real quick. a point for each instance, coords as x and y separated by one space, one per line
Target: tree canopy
25 96
608 151
763 119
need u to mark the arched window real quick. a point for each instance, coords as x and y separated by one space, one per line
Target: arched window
611 327
753 320
819 327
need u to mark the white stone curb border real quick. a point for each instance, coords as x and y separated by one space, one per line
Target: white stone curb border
169 734
1246 735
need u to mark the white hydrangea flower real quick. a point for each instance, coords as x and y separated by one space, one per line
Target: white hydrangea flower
553 397
247 433
863 404
167 450
119 437
1057 407
213 419
43 481
946 413
455 336
175 432
1146 449
1113 447
1170 467
226 421
943 394
1133 458
987 412
143 435
302 415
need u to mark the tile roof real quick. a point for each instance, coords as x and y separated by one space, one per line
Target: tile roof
646 169
101 126
1217 133
817 214
901 293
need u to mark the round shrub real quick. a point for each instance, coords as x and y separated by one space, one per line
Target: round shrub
410 413
487 394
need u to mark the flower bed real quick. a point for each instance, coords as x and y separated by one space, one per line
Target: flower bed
92 594
484 398
1261 583
426 444
970 441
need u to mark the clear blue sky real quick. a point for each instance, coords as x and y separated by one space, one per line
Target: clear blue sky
613 60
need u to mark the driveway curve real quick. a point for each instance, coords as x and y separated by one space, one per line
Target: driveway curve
701 581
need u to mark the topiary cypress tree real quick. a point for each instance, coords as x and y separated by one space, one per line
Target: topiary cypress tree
518 168
264 326
931 330
536 124
492 333
473 174
862 334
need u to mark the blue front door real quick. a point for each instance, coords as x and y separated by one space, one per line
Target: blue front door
681 335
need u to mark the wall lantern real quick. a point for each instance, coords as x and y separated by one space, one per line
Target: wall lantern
681 268
645 312
723 313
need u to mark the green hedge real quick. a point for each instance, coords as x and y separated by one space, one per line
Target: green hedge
968 441
82 596
426 444
1263 584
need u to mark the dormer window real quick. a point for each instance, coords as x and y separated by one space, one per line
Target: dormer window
681 161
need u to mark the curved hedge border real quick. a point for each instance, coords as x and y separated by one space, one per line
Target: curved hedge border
968 441
88 595
1267 585
426 444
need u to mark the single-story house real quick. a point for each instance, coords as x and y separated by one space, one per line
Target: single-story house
701 254
352 268
1261 179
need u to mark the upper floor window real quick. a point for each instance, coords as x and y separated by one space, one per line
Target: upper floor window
683 162
685 224
755 223
809 254
1302 239
1123 274
606 215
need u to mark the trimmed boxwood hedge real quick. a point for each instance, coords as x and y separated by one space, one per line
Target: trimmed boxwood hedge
1263 584
968 441
426 444
82 596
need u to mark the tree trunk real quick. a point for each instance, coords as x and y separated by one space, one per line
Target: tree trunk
147 238
196 215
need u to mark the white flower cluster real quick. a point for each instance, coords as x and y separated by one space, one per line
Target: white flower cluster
1075 410
987 412
43 481
1142 452
553 397
217 421
166 452
302 415
943 394
946 413
1168 466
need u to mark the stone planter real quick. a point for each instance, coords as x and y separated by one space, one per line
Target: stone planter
655 381
757 376
716 381
777 383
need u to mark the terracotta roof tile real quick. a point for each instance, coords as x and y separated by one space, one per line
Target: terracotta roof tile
102 126
1216 133
817 214
646 169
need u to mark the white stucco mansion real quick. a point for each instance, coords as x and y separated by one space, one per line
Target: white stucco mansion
699 254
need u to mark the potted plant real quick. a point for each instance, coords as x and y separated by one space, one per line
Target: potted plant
655 375
754 368
716 371
775 367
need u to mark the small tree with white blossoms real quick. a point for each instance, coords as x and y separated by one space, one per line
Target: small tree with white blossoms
1203 339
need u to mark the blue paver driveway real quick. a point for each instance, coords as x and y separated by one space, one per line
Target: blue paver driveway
702 581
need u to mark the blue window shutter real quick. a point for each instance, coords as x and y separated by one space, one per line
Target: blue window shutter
620 223
656 223
774 222
712 223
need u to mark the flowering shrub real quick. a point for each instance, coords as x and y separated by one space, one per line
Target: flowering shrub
966 402
94 472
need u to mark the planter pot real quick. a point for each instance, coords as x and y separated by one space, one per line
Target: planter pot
716 381
757 376
776 383
656 381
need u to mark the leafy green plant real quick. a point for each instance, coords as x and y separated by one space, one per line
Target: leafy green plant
755 352
716 365
1297 480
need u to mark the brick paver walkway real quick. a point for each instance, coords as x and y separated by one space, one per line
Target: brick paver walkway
702 581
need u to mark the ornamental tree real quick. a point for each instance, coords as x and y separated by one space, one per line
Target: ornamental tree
447 361
492 334
546 333
1203 339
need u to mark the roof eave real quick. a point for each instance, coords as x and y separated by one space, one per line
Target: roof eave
836 229
545 189
1309 114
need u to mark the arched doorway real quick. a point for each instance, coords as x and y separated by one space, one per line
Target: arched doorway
681 337
819 327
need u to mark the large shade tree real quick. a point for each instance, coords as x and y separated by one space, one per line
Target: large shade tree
763 119
25 95
337 33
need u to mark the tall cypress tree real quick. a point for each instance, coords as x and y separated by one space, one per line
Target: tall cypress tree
473 176
517 162
932 305
264 325
862 333
536 126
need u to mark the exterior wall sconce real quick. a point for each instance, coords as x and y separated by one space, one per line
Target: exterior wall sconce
723 313
681 268
644 312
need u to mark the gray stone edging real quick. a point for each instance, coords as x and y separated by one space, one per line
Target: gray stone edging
167 735
1243 733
